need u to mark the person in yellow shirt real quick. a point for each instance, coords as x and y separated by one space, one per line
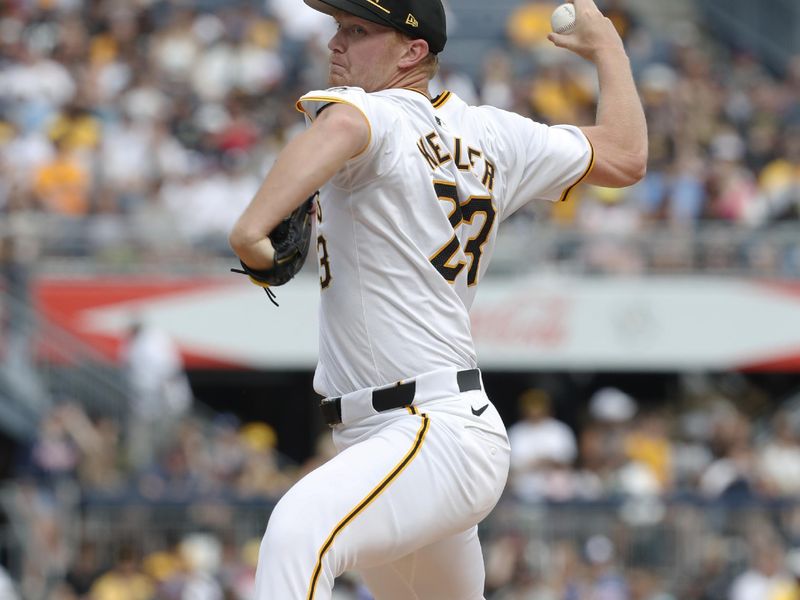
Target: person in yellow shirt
125 581
77 128
649 444
62 185
779 181
529 24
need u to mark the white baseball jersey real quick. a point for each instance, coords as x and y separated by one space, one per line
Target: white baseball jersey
406 229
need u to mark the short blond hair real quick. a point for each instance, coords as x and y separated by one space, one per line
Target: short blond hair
431 64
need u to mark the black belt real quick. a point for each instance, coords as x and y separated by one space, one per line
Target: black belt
397 396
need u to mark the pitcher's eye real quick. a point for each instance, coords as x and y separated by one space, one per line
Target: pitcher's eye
351 29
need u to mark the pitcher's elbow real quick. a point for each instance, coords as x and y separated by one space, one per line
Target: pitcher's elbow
636 168
238 239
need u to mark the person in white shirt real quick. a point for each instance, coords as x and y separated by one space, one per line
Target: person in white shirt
543 450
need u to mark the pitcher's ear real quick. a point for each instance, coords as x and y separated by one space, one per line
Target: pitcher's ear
416 51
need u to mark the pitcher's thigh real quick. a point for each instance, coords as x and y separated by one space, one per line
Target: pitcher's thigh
450 569
350 512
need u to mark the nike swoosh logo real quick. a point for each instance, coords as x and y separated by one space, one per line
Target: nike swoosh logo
478 412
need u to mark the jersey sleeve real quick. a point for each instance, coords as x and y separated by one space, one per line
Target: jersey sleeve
378 119
543 162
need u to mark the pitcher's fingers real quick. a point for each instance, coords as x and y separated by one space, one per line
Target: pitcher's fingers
558 39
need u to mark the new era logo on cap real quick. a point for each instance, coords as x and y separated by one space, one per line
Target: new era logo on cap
425 19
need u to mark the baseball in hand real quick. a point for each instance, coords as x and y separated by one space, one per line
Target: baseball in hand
563 19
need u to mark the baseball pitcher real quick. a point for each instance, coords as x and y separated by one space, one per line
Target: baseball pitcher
412 190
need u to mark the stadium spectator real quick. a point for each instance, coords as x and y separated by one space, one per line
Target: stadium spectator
605 579
238 570
779 458
602 440
76 129
648 444
610 224
102 466
41 520
497 85
646 585
543 451
767 576
732 188
509 576
623 18
62 186
161 393
124 581
733 473
66 437
779 180
265 473
84 570
559 92
201 554
529 24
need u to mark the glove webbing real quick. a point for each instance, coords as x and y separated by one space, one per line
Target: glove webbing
270 294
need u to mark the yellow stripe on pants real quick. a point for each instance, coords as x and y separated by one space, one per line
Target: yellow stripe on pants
423 429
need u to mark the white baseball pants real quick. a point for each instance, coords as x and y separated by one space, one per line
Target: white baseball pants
400 503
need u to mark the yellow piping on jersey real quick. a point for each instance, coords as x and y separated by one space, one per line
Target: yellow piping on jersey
442 99
300 108
588 170
377 490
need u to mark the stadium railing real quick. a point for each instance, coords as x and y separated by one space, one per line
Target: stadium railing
42 363
674 538
68 247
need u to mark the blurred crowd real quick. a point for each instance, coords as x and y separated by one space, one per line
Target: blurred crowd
724 153
161 498
693 498
710 446
98 523
724 130
168 113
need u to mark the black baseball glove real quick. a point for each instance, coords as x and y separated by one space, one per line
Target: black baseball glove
291 240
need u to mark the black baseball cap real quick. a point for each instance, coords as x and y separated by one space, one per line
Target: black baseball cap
419 19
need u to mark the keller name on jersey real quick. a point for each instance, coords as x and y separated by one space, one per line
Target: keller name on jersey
434 151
